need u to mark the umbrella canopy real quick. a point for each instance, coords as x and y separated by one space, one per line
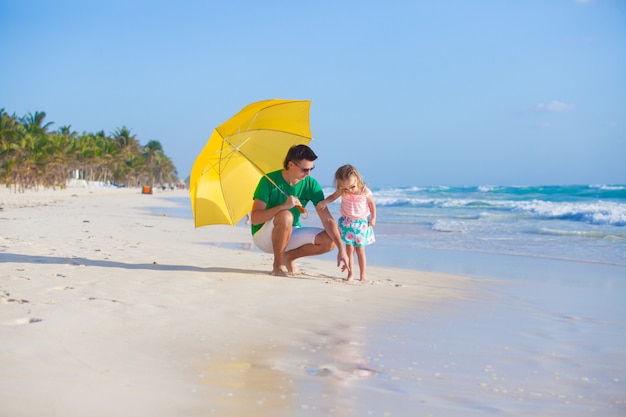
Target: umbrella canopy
239 152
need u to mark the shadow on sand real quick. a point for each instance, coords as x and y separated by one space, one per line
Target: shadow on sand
80 261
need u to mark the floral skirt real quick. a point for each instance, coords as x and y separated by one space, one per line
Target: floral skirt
356 232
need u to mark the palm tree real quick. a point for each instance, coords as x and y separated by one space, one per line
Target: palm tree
30 150
152 154
34 123
127 143
130 150
8 129
61 155
8 138
107 159
30 156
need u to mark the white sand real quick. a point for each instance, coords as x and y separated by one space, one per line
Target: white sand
107 309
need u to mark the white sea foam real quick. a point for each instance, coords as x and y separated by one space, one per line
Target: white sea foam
597 234
487 188
449 226
609 187
601 212
597 212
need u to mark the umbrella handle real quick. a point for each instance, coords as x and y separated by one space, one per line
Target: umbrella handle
302 210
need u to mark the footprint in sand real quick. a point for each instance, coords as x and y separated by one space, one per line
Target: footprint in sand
60 288
19 322
101 299
6 297
17 300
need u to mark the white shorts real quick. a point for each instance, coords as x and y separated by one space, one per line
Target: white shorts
300 236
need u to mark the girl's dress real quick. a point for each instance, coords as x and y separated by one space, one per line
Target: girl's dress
353 223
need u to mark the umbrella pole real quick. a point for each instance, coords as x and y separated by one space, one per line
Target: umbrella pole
300 208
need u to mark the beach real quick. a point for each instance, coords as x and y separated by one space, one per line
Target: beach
112 306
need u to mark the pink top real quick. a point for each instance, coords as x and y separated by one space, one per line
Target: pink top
355 205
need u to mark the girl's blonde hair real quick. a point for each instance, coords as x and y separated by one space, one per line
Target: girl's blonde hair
344 173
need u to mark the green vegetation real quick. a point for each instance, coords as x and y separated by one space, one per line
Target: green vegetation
31 156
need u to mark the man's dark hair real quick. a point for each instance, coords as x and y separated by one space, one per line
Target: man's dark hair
298 153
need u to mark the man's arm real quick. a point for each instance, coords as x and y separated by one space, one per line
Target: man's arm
260 214
330 225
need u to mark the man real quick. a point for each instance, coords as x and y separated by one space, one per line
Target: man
275 215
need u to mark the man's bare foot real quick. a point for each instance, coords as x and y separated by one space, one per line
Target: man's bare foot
363 279
290 265
279 272
349 277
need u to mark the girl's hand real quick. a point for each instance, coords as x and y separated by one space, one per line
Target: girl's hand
372 222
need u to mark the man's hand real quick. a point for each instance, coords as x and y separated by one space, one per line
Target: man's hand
342 259
292 201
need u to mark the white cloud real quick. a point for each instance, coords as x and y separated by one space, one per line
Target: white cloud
555 106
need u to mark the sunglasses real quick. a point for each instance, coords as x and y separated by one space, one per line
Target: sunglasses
304 170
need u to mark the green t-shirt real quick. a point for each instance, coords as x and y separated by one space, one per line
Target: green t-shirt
306 190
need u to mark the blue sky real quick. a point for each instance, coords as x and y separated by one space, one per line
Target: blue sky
445 92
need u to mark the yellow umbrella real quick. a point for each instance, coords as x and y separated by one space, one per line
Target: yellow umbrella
247 146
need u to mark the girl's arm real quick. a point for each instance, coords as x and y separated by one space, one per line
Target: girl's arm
322 204
372 205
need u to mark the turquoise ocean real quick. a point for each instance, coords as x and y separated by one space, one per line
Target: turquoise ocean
420 227
584 223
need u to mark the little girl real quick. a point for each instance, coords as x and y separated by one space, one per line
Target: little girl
357 206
